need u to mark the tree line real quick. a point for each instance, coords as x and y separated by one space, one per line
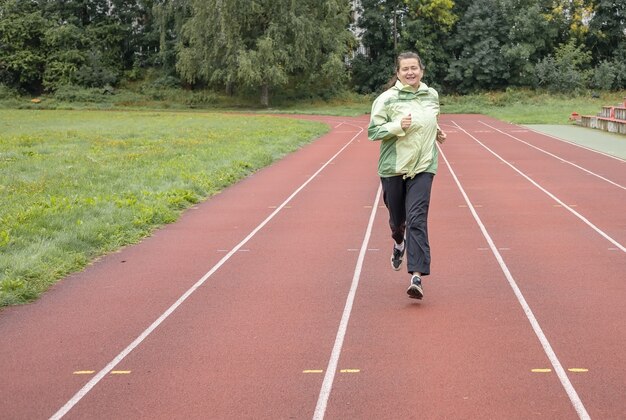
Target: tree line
311 48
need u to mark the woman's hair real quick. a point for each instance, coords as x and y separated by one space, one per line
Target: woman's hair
403 56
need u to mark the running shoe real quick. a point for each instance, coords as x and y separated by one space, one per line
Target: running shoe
415 290
396 258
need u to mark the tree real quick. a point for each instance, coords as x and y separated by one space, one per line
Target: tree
262 44
477 48
531 36
572 17
115 35
132 20
607 29
619 66
67 54
382 23
169 18
426 29
22 53
567 71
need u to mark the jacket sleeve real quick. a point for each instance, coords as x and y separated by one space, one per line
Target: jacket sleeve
381 127
435 94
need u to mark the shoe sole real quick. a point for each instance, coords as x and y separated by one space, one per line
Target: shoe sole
415 292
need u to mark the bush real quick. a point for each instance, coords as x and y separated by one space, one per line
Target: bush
162 94
202 97
134 74
566 71
7 93
604 76
94 73
71 93
165 82
369 75
161 88
619 66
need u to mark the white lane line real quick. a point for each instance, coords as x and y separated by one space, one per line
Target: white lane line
109 367
547 348
557 157
569 208
331 369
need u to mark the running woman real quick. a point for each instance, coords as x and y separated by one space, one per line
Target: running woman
404 120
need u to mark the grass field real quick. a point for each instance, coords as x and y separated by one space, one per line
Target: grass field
529 107
520 106
78 184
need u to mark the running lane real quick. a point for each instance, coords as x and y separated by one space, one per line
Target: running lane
280 244
472 348
284 260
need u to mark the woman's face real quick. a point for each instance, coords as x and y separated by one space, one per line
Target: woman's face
409 72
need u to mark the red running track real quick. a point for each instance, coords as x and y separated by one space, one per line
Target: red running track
275 298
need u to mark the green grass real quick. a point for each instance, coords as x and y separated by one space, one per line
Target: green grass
75 185
518 106
529 107
345 104
515 105
344 109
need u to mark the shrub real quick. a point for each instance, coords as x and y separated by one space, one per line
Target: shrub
202 97
94 73
619 66
566 71
604 76
164 82
7 93
71 93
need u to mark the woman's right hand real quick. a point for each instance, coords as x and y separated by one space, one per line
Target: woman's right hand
405 122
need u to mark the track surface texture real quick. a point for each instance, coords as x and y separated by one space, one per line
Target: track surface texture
275 299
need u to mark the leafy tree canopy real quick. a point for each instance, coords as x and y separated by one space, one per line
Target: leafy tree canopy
264 44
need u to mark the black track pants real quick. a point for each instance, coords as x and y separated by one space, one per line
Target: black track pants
407 201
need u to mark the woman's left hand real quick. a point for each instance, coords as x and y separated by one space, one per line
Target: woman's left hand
441 136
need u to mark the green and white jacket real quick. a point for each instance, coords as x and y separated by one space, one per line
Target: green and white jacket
412 151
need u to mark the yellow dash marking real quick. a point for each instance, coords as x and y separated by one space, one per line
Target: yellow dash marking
578 370
541 370
367 207
84 372
350 370
120 372
313 371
